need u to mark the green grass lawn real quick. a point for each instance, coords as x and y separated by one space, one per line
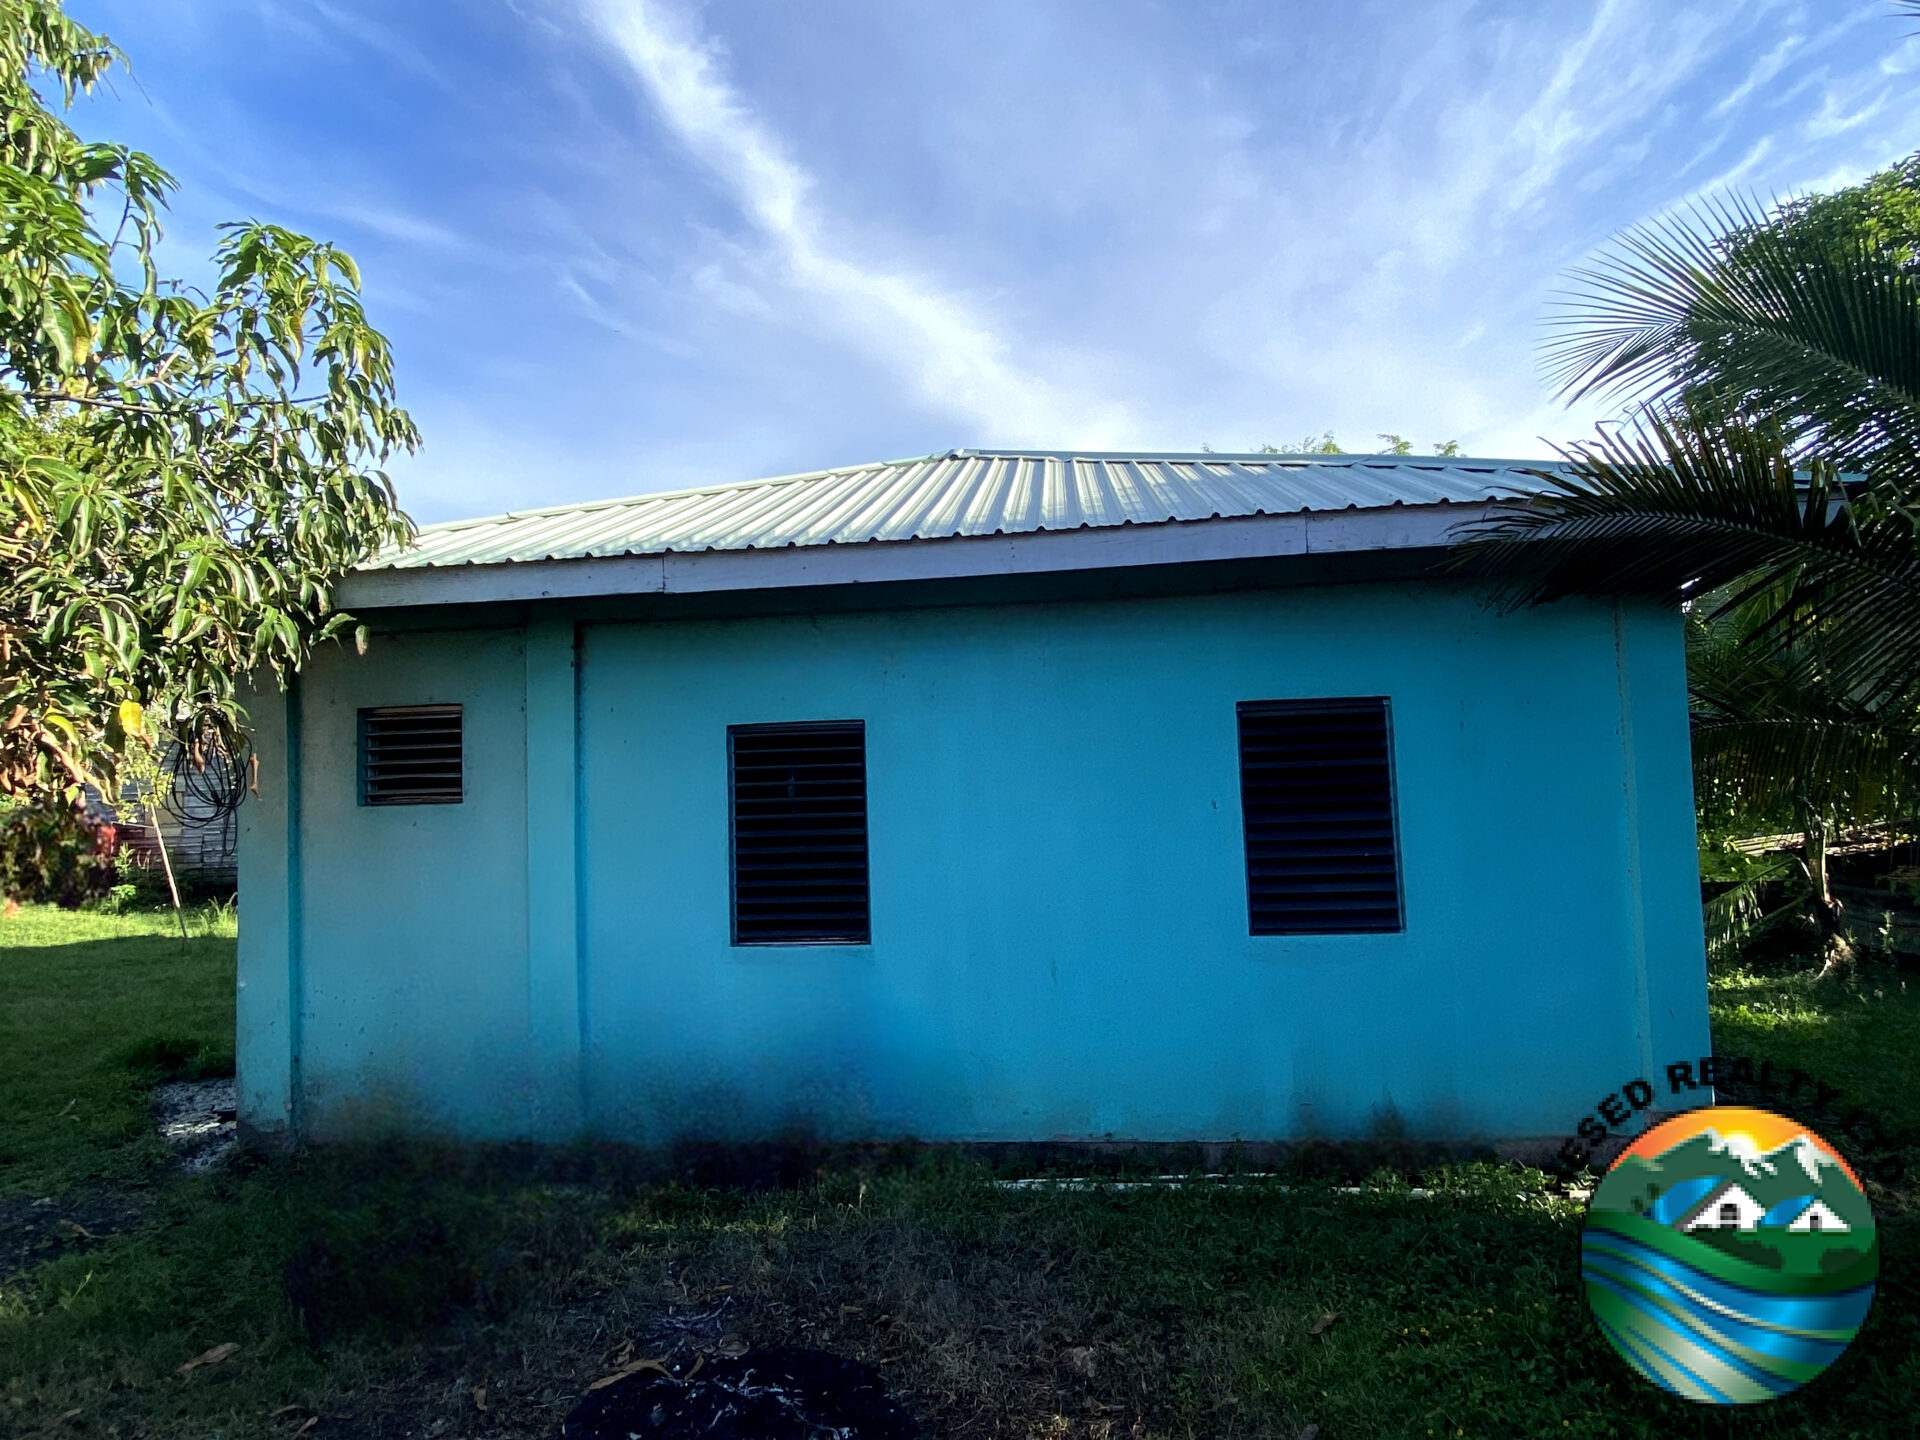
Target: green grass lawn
1860 1034
94 1010
470 1293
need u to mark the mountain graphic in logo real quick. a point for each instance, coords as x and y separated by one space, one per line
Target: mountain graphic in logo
1730 1255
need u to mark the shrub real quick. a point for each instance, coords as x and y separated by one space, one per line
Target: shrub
52 854
138 885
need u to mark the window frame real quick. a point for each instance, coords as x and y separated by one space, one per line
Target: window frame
1309 705
734 940
362 754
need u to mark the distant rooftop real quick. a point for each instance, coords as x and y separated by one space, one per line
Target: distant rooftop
965 493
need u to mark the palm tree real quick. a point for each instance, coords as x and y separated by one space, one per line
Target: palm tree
1768 477
1780 741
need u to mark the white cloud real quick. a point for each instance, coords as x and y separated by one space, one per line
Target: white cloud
387 221
954 353
1733 177
1835 119
1763 72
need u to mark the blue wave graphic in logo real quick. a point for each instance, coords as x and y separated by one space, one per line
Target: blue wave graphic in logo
1708 1339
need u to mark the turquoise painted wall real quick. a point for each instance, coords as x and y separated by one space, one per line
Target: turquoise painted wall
413 918
1060 946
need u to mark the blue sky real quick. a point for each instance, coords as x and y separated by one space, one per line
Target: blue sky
627 245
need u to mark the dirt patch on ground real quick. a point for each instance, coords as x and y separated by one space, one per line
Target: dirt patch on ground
34 1231
974 1335
755 1395
195 1118
467 1295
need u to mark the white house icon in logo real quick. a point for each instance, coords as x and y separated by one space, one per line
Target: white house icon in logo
1818 1217
1730 1207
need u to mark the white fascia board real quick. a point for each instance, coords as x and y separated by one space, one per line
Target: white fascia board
1399 527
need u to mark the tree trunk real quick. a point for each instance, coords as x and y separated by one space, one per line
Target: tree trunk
1836 950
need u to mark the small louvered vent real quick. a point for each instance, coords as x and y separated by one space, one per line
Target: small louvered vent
799 799
1316 793
411 755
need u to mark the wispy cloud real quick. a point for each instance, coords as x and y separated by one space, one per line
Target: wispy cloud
957 357
384 42
387 221
1637 60
1763 73
627 244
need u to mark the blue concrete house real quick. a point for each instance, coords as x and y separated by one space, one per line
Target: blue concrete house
987 796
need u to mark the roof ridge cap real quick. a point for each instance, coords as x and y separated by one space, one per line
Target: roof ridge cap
1344 460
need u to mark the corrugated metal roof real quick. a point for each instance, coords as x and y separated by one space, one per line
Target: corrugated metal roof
963 492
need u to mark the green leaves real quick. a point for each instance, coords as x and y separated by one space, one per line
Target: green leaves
1769 355
1810 326
1780 733
1769 474
183 476
1683 503
1819 584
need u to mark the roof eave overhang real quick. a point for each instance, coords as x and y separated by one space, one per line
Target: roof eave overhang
1304 534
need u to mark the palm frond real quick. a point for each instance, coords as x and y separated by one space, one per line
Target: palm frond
1676 506
1823 336
1857 770
1660 508
1781 724
1738 916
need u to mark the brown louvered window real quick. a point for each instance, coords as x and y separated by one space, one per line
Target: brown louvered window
411 755
1316 797
798 796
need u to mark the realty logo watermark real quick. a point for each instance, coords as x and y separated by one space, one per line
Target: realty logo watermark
1729 1254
